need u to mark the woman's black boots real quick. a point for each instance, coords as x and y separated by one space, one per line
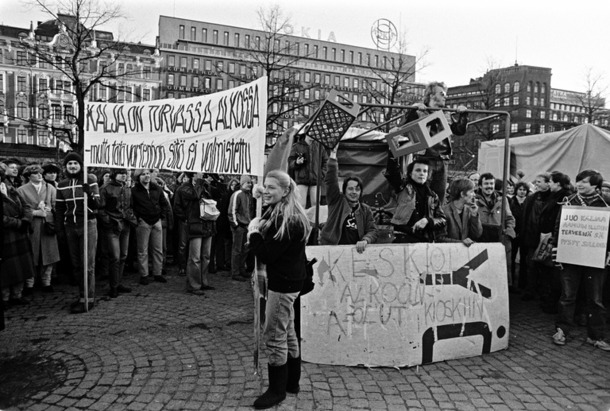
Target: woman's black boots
294 375
276 392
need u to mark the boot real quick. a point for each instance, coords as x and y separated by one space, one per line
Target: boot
276 392
294 375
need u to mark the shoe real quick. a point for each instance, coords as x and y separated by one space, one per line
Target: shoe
182 272
601 344
144 280
276 392
27 291
47 289
159 279
559 338
113 293
122 289
208 287
18 301
239 278
196 292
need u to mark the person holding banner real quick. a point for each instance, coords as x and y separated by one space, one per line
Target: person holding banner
70 208
574 276
149 204
278 240
419 216
349 220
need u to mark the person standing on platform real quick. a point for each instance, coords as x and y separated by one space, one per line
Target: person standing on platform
438 155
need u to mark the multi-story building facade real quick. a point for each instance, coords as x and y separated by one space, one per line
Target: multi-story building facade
202 57
534 106
37 99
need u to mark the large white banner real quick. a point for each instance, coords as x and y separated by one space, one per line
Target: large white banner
220 133
404 305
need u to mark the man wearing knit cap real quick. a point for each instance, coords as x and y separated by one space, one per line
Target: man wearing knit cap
70 209
239 218
149 204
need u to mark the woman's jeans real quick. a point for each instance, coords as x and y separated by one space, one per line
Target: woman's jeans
279 335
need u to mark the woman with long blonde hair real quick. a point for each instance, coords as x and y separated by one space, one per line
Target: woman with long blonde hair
278 240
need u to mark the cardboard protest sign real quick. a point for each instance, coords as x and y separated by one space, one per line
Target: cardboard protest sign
221 133
583 236
405 304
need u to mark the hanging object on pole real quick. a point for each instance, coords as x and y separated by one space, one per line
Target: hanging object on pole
332 120
416 135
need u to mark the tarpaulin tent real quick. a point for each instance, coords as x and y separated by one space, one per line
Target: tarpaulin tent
568 151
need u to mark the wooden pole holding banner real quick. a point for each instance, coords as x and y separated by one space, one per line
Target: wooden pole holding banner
85 238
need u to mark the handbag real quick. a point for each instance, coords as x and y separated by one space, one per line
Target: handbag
544 251
208 210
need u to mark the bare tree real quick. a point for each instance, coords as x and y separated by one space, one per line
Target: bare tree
592 101
396 83
80 50
273 55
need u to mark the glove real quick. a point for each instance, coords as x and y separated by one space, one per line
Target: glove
25 226
86 188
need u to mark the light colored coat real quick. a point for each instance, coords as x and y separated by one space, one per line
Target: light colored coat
44 246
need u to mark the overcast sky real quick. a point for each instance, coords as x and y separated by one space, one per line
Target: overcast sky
463 38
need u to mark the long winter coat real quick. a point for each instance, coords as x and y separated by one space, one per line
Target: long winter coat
17 264
44 245
186 205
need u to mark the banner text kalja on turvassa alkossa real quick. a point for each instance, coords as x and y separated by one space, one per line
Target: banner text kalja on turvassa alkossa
220 133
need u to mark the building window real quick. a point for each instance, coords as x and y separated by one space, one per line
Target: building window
542 129
204 35
507 88
542 101
536 87
315 51
316 78
207 83
528 128
498 89
236 40
334 54
543 88
182 62
171 61
231 68
528 101
21 84
316 94
195 63
529 87
342 55
514 127
68 112
325 53
307 77
356 83
226 38
506 101
337 81
215 37
516 87
327 79
351 57
43 112
182 80
528 113
360 58
42 85
542 114
495 128
219 84
257 43
306 94
376 61
146 94
181 32
22 136
193 33
195 82
346 82
22 111
247 41
515 100
170 79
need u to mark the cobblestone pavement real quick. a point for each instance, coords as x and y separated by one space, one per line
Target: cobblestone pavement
161 349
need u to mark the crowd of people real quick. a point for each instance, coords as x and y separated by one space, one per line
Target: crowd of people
153 222
133 218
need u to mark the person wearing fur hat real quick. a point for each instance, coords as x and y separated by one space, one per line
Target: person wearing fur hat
116 215
239 218
16 253
41 197
70 207
50 172
149 204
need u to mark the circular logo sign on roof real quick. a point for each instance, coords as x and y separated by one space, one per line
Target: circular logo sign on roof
384 34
